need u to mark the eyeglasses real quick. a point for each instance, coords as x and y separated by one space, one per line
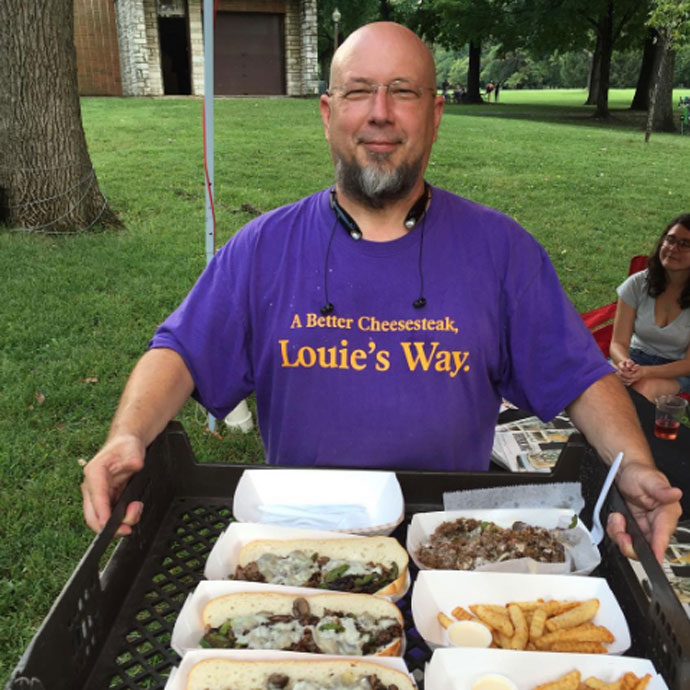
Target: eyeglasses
673 241
400 90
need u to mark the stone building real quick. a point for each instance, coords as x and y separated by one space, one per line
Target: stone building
155 47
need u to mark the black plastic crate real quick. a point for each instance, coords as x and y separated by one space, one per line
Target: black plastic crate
659 627
113 629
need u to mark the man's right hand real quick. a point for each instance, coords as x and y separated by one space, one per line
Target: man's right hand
155 392
106 476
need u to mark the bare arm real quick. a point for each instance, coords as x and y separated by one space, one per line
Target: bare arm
607 417
623 324
156 390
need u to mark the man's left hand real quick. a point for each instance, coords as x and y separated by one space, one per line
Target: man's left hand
654 504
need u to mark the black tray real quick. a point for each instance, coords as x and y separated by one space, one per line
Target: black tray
113 629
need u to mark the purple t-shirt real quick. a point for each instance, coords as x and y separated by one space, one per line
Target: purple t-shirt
380 383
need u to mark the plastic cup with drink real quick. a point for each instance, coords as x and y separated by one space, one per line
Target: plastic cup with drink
669 412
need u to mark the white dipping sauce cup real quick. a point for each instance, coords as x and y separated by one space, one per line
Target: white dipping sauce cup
468 634
493 681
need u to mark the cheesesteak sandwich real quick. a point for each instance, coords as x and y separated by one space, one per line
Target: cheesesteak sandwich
327 674
333 623
370 565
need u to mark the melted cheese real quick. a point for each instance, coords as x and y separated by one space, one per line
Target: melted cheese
294 569
298 567
332 634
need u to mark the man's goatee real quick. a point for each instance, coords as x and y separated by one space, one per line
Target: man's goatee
375 185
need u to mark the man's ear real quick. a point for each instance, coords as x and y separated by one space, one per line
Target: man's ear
325 108
438 113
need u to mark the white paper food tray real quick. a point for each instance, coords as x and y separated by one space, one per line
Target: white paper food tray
189 627
457 669
585 556
222 561
443 590
178 676
354 501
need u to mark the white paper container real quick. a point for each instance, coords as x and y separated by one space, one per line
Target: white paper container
443 590
189 626
222 560
457 669
585 556
354 501
178 676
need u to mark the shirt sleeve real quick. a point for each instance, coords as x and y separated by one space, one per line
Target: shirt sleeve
633 289
549 356
211 331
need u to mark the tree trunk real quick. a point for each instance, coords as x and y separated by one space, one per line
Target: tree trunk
594 74
660 115
663 112
384 10
47 182
606 32
472 94
644 80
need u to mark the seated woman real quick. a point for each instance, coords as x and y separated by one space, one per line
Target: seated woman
651 332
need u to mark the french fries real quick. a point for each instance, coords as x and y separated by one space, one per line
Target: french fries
548 626
462 614
570 681
444 620
521 634
574 616
498 620
573 681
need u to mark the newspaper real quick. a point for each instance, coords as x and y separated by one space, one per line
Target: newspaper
530 445
677 564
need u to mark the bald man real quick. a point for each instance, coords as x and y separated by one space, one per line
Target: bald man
380 322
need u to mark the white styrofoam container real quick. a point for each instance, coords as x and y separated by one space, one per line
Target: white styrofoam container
224 556
354 501
178 676
584 556
443 590
189 626
458 669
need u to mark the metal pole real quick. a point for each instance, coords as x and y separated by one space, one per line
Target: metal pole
208 122
240 417
208 143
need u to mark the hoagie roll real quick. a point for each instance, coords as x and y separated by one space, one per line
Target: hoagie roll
329 674
370 565
331 623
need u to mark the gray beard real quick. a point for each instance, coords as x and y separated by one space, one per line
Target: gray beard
375 186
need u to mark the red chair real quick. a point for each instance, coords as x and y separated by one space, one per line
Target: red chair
600 320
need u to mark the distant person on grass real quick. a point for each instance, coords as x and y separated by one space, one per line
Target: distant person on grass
651 332
381 321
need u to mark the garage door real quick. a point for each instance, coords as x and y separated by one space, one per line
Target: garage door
249 52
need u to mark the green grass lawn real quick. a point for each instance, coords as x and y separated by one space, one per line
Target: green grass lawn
77 311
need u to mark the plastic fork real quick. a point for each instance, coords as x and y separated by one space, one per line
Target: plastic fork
597 533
